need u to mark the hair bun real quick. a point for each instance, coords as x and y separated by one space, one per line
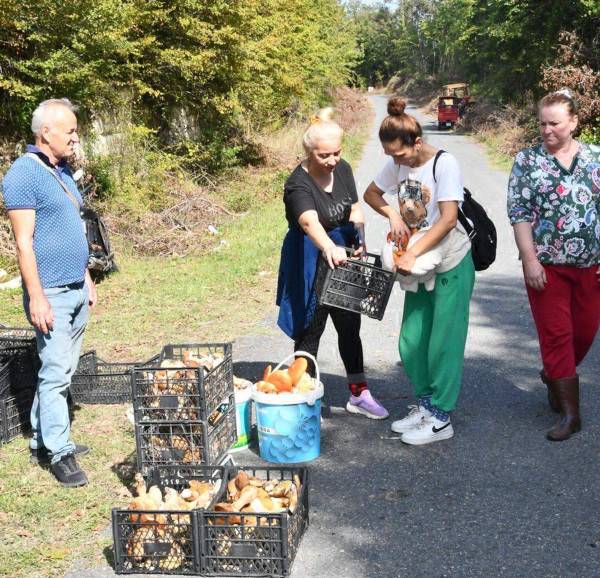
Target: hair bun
396 106
324 115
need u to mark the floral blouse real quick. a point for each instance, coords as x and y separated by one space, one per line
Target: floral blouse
563 204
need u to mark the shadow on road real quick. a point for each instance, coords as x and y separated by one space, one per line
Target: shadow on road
496 500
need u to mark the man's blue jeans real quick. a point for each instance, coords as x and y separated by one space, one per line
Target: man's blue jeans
59 353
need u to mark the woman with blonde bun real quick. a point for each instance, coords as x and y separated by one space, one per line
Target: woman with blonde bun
324 217
436 317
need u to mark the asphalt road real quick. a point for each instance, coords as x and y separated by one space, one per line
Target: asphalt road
497 499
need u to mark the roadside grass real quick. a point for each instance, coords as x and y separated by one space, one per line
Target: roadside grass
219 295
44 527
493 140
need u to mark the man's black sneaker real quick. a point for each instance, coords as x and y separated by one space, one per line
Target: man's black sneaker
42 455
68 473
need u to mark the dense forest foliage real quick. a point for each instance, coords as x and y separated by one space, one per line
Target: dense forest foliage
166 84
500 44
195 73
508 49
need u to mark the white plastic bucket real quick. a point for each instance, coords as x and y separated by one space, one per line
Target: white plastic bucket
289 424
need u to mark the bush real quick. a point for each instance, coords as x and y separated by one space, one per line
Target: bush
132 176
570 70
224 65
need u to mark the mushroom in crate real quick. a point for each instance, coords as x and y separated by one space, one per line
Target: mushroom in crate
156 531
187 383
256 527
249 494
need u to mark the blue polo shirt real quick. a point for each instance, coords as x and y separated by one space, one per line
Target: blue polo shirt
59 241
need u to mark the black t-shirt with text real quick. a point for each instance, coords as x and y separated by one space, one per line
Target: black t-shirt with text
301 193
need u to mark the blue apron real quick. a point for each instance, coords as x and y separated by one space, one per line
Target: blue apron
296 295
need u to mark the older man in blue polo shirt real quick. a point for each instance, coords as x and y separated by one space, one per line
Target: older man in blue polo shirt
43 205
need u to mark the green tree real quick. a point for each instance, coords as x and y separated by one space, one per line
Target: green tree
500 45
223 64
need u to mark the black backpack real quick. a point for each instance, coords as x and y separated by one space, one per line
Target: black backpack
482 233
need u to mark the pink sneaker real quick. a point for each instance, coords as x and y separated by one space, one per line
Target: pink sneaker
367 405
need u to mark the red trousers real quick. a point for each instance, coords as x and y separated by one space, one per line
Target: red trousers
567 317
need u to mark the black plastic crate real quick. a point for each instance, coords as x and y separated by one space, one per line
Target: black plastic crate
184 443
14 415
162 541
254 544
358 285
97 381
16 337
181 393
19 367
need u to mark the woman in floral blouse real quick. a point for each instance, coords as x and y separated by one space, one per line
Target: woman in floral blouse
553 206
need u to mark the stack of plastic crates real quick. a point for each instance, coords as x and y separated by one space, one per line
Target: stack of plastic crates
358 285
184 414
19 365
100 382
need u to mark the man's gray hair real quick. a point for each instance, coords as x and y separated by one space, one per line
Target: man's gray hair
39 114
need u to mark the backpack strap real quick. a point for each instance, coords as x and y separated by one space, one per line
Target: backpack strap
435 160
61 182
461 216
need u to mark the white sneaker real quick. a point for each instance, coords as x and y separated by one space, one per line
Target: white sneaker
429 430
415 416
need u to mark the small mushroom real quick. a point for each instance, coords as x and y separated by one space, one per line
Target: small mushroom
242 480
293 498
266 505
226 520
155 495
246 496
270 485
297 482
189 495
281 489
249 520
232 490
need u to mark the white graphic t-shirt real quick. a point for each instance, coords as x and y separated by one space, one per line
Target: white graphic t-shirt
449 185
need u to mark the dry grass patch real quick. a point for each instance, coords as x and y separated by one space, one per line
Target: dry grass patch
504 129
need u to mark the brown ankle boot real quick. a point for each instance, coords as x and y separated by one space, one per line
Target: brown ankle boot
552 401
566 390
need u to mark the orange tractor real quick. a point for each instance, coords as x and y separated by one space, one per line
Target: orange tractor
452 104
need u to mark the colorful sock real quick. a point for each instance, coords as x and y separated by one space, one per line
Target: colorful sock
439 414
425 401
357 388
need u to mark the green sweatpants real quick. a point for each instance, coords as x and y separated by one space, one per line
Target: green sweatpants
434 333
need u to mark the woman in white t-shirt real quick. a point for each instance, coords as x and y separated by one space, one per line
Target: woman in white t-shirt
435 322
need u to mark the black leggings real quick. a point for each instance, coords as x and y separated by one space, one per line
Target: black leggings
347 325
